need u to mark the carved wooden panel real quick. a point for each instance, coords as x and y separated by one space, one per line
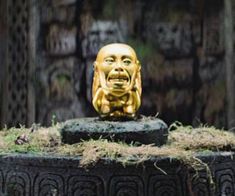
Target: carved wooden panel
59 70
213 29
16 84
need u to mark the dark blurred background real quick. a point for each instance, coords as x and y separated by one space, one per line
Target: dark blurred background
47 50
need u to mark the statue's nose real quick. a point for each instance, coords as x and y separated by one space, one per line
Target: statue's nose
119 69
118 66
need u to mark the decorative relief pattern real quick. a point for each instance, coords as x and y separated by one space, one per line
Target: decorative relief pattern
126 185
60 70
73 181
59 14
173 40
1 182
201 186
225 181
60 82
99 34
161 185
49 184
85 186
61 41
62 2
18 62
18 183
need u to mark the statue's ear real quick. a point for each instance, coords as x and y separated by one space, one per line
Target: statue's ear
138 63
95 66
138 79
96 80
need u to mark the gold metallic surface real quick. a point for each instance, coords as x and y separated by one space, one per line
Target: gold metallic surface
116 89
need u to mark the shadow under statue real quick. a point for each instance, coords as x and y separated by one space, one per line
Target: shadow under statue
116 96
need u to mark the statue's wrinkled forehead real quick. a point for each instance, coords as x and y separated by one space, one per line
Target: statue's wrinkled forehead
115 50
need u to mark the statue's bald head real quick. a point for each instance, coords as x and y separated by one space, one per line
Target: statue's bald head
115 49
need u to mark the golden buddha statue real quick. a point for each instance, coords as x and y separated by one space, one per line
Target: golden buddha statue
116 89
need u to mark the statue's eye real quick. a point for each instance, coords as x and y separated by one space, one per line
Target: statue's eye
127 61
109 60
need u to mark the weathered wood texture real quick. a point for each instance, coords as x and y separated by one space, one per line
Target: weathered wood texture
229 61
17 105
3 35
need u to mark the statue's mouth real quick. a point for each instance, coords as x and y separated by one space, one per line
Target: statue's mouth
118 80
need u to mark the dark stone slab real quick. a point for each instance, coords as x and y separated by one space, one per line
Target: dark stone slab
144 130
29 175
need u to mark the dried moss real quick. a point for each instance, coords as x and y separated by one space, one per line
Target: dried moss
201 138
94 150
184 143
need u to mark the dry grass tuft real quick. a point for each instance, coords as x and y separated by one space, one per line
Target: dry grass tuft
94 150
201 138
2 143
46 137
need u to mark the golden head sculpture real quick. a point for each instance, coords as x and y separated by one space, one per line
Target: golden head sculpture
116 90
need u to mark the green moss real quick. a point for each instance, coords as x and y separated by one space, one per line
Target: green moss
39 141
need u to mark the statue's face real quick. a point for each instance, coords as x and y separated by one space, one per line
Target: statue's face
117 66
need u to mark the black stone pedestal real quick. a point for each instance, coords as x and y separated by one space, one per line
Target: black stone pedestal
144 130
27 175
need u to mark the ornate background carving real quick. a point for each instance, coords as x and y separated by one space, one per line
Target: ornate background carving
51 46
15 99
